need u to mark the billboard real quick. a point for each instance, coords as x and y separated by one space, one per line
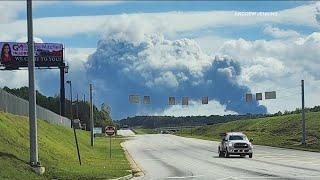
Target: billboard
15 54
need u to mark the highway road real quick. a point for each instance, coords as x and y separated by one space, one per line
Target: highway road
164 156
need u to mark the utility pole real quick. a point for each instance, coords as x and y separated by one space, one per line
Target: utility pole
91 117
303 115
34 160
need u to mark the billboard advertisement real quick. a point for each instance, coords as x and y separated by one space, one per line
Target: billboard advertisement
15 54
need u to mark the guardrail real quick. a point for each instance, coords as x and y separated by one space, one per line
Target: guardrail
18 106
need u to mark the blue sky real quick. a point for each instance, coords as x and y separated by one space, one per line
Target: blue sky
129 7
176 46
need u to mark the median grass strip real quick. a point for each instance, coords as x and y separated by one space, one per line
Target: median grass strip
57 152
279 131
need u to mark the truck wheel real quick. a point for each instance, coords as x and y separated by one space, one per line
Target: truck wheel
250 155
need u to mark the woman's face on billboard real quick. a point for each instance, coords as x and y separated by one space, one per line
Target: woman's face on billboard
6 49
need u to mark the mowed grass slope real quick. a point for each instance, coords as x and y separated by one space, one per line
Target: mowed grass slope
57 152
280 131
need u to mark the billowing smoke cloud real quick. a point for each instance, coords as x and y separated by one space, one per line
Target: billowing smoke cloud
161 68
318 12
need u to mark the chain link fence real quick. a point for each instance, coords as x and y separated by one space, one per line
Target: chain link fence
18 106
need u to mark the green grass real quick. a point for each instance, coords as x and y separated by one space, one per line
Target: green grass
57 152
144 131
281 131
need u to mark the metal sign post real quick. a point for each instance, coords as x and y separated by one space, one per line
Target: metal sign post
110 131
76 124
303 115
91 117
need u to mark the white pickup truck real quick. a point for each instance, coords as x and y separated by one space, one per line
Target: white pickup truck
235 143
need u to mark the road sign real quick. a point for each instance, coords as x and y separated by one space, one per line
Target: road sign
134 98
270 95
258 96
172 101
146 99
248 97
110 130
205 100
185 101
97 130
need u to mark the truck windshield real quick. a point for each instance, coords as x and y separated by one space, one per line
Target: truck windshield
238 137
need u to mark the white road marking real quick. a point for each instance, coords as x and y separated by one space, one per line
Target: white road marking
184 177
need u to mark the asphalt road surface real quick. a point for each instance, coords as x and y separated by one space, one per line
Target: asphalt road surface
164 156
125 132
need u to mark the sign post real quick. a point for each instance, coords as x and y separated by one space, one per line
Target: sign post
110 131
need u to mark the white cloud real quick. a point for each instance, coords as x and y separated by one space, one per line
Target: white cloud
280 33
14 79
169 23
25 39
96 3
279 65
195 108
10 9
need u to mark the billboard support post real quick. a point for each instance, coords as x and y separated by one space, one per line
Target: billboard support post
62 92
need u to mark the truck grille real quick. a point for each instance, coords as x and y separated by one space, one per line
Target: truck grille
241 145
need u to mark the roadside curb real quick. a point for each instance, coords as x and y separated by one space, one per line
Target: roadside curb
136 171
130 176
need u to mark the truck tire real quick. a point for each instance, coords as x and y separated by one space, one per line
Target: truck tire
250 155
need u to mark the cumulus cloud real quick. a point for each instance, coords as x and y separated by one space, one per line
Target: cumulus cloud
161 68
317 15
9 10
280 33
138 24
196 109
278 64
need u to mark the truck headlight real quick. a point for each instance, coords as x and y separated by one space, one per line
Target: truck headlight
230 144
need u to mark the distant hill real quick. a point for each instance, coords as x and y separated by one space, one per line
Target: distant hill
163 121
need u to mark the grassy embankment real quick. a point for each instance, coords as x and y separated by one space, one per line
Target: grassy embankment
144 131
57 152
280 131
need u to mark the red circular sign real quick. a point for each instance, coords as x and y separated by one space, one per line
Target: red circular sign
110 130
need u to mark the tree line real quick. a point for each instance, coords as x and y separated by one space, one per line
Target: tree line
171 121
80 109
